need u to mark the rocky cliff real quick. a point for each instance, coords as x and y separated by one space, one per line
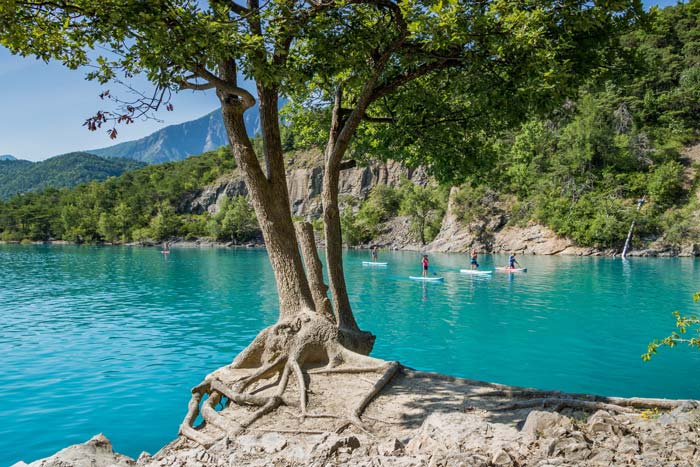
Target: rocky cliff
304 180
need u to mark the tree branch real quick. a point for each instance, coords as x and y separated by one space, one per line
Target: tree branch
225 85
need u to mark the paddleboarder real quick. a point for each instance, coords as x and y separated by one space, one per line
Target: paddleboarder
375 254
474 263
512 261
425 265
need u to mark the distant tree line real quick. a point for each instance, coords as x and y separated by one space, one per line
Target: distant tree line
145 204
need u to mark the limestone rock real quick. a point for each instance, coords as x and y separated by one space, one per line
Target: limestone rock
546 424
391 447
333 444
602 422
501 459
305 182
97 452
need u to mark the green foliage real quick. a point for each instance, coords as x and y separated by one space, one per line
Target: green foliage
235 221
666 184
425 206
136 206
64 171
683 325
473 202
362 226
165 223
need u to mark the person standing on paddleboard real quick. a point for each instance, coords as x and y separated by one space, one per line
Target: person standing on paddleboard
375 254
474 263
512 261
425 265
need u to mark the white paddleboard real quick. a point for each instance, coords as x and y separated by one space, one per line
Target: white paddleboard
373 263
475 271
427 279
507 269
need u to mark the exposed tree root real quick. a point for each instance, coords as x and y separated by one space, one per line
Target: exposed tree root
562 403
536 398
282 351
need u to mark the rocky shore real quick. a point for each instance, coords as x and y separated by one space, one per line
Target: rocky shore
425 419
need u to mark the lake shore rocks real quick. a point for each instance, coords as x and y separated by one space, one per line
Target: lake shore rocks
425 419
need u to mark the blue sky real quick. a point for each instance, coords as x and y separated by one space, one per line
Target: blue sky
43 107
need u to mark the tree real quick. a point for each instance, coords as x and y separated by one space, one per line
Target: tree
165 223
107 227
397 62
421 204
235 221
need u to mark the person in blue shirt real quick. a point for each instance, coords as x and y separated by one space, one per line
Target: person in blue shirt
512 261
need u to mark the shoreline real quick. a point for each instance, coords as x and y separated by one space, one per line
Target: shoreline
690 251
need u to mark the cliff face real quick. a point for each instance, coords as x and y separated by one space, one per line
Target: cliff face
304 181
490 232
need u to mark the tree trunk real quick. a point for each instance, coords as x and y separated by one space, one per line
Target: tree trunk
334 245
270 200
314 270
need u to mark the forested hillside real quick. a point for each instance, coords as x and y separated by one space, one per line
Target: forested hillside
68 170
580 170
136 205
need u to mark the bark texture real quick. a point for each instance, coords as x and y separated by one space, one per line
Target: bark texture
270 200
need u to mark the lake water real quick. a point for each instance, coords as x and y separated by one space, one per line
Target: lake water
112 339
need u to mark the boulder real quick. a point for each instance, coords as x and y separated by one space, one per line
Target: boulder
97 452
603 423
332 444
546 424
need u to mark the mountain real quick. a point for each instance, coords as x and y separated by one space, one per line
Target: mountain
177 142
19 176
7 157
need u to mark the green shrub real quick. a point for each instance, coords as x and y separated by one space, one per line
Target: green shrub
235 221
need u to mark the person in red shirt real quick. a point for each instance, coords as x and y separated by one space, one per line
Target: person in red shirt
425 265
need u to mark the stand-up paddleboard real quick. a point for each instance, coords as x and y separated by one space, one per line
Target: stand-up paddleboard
427 279
165 252
373 263
475 271
507 269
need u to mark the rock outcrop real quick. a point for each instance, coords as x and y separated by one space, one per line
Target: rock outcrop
97 452
304 181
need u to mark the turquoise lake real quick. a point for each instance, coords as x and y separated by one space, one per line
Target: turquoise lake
110 339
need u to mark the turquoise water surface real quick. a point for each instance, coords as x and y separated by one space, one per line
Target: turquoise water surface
112 339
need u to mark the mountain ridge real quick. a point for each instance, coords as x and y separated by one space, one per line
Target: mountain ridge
179 141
